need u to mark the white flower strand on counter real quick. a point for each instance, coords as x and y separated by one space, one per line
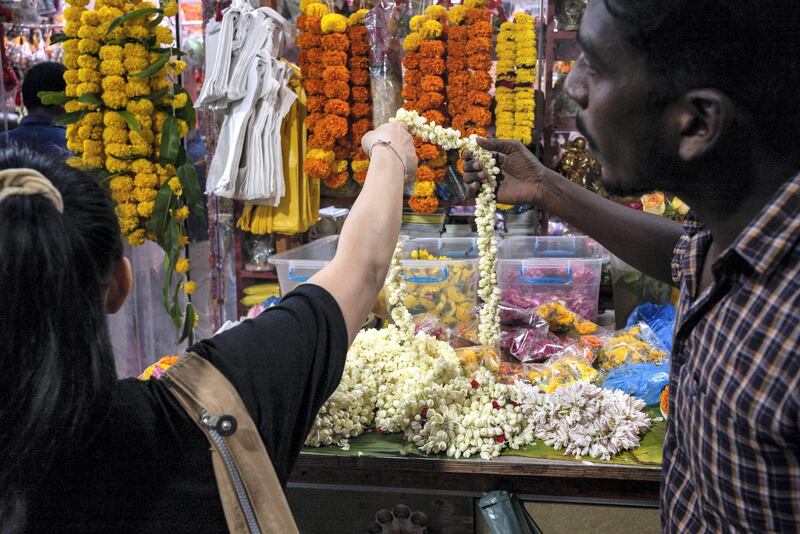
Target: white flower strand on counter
584 420
485 209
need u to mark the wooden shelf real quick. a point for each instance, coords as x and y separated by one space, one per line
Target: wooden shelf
569 35
260 275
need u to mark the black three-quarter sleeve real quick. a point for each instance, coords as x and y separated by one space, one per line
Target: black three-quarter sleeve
284 364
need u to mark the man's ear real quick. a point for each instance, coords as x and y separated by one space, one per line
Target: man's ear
704 117
119 287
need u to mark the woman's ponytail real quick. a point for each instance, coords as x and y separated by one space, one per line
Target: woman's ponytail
56 362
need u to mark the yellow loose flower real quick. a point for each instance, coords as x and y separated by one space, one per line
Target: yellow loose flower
431 29
189 287
436 12
334 23
171 9
411 42
176 67
164 35
180 214
175 185
145 209
182 266
416 22
357 18
456 15
316 10
136 238
180 100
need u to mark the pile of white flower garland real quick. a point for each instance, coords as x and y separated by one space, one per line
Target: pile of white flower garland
396 381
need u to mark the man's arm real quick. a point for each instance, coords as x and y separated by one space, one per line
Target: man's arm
358 271
640 239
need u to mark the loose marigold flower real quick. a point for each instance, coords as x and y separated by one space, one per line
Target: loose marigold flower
335 106
432 83
335 41
336 74
334 58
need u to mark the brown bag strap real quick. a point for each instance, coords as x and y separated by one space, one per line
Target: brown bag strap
209 399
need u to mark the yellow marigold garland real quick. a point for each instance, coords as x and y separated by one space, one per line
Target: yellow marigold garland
120 102
524 100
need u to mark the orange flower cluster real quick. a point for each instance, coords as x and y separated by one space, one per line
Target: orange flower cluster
321 123
424 92
335 126
469 61
360 97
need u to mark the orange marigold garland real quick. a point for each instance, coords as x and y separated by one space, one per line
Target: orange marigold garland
319 162
335 125
360 97
470 49
424 91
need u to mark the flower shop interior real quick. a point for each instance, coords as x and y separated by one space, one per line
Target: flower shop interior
526 318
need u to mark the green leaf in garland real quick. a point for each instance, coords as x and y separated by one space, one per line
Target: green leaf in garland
53 98
59 38
188 323
156 21
160 217
133 123
69 118
154 97
167 272
154 67
190 183
135 14
90 98
170 141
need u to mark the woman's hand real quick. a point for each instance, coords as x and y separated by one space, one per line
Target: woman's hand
399 139
521 177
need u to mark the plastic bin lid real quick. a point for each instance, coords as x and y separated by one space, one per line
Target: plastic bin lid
546 247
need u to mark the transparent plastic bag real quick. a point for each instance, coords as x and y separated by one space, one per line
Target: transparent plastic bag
637 344
464 335
531 345
431 325
476 356
386 76
564 322
511 315
561 371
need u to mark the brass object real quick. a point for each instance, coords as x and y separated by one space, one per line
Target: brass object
580 167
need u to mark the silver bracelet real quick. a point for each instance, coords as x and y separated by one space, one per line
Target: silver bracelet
388 144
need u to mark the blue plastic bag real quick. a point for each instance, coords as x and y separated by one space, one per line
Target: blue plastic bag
641 380
660 319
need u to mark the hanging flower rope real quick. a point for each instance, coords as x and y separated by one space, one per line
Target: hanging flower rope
423 91
506 69
360 97
524 101
475 82
320 158
125 119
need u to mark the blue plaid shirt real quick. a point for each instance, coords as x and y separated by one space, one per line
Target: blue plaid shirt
732 449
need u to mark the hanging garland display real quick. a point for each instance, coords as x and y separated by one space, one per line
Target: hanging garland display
319 162
125 118
473 80
360 97
334 125
423 91
516 75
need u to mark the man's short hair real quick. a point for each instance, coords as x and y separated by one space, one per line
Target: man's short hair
48 76
748 50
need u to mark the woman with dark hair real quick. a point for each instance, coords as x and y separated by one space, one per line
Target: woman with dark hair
83 452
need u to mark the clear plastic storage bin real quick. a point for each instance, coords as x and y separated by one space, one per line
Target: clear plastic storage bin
441 275
297 265
535 270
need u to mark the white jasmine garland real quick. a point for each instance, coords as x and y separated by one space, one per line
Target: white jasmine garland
485 209
584 420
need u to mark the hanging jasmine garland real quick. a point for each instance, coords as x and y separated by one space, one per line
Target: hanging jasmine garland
125 118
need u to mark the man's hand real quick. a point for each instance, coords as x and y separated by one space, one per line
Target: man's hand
521 173
399 138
